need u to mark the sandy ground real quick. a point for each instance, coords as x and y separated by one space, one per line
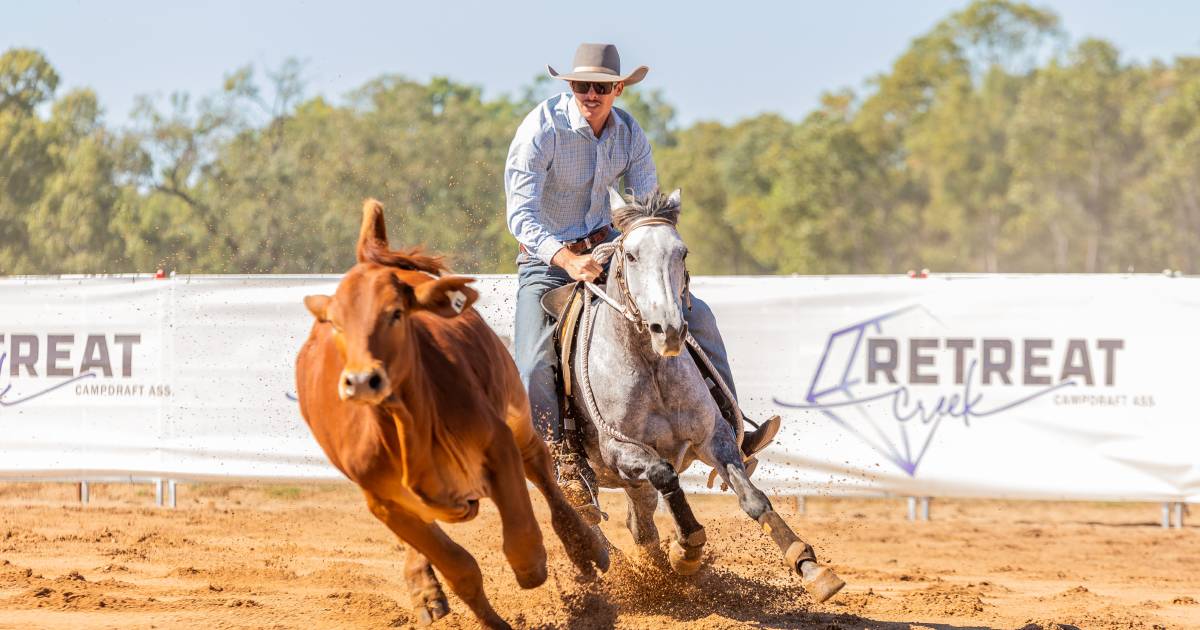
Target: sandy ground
311 557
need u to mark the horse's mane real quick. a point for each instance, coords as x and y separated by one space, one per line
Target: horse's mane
654 204
376 251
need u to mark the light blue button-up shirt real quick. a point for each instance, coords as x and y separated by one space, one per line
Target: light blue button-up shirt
557 174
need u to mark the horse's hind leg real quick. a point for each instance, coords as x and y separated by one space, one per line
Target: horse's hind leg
687 550
819 581
641 501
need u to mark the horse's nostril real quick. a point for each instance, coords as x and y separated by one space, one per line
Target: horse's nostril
375 381
656 329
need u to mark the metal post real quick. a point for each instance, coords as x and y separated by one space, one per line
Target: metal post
84 492
924 508
158 492
801 505
171 493
1179 515
912 508
1166 516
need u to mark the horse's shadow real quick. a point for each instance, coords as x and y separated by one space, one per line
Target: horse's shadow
633 588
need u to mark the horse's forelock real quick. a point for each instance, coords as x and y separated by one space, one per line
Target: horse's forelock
654 204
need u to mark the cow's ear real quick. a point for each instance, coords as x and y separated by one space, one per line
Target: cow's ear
447 296
372 232
317 305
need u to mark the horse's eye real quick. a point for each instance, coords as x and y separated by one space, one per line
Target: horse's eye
630 257
685 254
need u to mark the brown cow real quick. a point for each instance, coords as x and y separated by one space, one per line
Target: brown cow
414 398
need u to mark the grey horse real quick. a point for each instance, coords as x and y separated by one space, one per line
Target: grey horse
647 413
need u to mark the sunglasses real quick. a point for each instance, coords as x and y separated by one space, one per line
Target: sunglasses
582 87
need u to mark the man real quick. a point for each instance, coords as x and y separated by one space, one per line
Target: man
566 154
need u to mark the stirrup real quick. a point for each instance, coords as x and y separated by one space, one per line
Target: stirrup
580 494
755 441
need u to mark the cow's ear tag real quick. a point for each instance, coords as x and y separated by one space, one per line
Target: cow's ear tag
458 300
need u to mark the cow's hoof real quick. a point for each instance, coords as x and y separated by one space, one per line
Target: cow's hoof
685 560
531 577
821 582
590 514
431 611
430 606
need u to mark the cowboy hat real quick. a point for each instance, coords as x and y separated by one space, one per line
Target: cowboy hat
598 62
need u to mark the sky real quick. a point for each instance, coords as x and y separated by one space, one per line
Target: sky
713 61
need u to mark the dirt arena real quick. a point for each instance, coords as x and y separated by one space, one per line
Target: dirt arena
311 557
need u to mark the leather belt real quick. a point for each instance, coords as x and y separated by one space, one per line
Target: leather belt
583 245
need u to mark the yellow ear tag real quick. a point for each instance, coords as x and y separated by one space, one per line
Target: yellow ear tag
457 300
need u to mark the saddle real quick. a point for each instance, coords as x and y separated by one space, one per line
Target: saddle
565 305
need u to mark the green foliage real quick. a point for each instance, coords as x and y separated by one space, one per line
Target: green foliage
989 145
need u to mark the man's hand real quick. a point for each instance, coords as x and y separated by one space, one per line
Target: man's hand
579 267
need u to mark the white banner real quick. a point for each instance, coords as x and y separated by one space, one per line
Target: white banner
1042 386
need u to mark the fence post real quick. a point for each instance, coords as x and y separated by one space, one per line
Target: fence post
171 493
158 492
925 508
1179 514
1166 515
912 508
84 492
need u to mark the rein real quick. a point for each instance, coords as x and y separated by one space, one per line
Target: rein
632 313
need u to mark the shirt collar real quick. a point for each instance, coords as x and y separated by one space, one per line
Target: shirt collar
578 123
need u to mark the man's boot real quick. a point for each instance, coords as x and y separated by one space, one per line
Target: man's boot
758 439
573 478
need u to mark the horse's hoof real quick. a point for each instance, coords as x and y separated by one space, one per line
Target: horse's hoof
681 563
822 583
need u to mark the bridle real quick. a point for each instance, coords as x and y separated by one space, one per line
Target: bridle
616 251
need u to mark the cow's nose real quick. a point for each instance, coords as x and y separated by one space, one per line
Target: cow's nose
364 385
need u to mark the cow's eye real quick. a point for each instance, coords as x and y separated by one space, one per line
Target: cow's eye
396 314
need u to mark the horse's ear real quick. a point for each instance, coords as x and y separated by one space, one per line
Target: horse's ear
673 198
372 228
615 200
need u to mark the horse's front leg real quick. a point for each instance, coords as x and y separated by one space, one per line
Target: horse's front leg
687 550
820 581
641 501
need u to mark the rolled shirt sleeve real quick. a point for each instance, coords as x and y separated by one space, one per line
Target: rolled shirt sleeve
529 157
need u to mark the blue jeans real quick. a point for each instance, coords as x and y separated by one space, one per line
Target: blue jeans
533 339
